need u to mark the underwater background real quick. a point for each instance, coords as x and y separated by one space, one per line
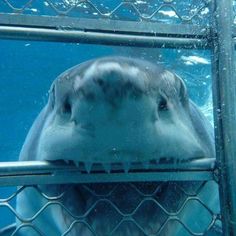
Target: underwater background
28 68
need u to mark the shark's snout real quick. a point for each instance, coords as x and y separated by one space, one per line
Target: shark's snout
110 83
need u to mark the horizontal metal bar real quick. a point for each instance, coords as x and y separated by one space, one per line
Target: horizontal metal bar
76 177
105 25
72 36
105 32
37 172
29 167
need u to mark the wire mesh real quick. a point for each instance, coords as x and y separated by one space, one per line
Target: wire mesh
138 208
126 214
190 11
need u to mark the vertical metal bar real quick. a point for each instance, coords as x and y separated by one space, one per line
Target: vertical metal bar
224 101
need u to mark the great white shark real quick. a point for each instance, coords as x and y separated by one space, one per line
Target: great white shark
115 110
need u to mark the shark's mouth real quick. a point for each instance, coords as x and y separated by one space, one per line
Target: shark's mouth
163 163
98 208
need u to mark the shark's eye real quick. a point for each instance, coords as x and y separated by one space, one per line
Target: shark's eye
163 106
67 107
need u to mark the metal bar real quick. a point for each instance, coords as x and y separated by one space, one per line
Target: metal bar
65 177
105 25
107 32
224 88
39 172
29 167
115 39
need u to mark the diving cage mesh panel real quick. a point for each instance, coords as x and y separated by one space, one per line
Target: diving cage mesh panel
190 11
161 23
146 198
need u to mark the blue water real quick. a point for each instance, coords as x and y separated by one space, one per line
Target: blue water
26 71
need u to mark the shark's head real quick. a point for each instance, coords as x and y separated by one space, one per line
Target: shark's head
105 111
118 110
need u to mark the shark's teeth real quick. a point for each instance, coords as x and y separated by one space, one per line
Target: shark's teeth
126 166
88 166
107 167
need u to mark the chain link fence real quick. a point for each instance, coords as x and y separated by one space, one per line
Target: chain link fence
129 213
191 11
122 202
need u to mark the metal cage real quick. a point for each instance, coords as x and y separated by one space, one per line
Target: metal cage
208 26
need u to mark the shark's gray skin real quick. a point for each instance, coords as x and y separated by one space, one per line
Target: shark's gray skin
111 110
